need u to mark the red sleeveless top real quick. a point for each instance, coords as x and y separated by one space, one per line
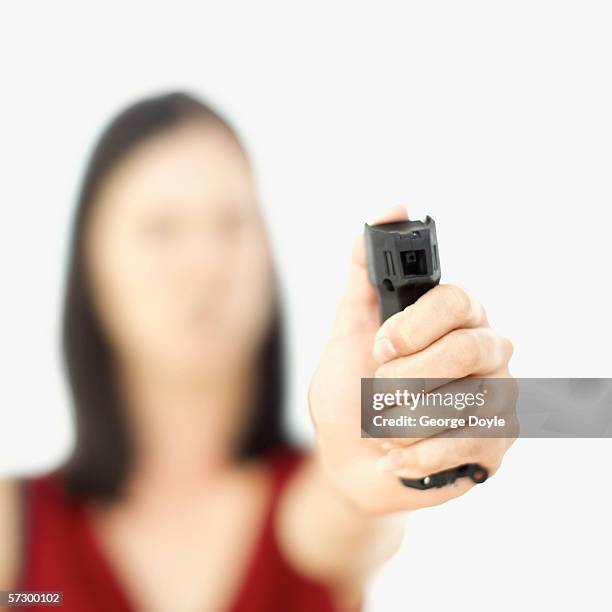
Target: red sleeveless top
61 554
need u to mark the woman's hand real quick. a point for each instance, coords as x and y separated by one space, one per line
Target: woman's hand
445 334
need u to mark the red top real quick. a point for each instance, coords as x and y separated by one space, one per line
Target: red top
61 554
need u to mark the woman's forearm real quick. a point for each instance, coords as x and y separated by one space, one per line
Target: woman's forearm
326 536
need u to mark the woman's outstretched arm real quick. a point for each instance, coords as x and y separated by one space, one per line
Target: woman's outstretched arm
343 515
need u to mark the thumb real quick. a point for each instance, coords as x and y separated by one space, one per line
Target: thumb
359 299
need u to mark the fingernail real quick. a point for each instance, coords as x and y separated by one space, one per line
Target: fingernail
384 350
393 460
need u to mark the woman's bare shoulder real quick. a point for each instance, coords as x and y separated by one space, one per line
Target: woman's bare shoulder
9 531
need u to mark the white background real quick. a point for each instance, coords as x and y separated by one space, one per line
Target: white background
493 117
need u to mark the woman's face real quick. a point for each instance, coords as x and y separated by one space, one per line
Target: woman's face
176 254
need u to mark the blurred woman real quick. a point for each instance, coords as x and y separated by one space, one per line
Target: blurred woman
184 491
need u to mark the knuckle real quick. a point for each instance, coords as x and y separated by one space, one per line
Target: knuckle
513 394
404 332
407 342
507 347
483 314
466 349
460 303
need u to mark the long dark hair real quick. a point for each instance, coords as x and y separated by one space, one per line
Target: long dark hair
102 455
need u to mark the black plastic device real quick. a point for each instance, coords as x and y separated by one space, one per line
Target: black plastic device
474 471
403 264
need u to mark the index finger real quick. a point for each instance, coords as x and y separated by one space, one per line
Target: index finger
440 311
